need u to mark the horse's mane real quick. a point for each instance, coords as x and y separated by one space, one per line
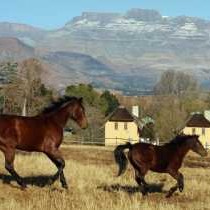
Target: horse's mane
57 104
180 139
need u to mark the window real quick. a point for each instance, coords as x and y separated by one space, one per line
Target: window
203 131
193 131
125 125
116 126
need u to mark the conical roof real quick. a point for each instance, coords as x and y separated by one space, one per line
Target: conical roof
198 120
121 114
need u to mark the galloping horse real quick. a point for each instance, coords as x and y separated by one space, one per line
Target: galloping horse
41 133
163 159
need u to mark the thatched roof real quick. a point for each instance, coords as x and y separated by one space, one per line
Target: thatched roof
121 114
198 120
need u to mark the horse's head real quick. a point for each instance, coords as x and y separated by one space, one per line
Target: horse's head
78 114
196 146
66 107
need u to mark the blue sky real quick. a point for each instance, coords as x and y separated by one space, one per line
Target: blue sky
51 14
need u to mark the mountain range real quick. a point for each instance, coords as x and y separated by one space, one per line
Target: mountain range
125 52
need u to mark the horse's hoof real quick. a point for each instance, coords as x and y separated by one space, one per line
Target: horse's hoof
168 195
23 186
181 189
50 181
144 193
65 186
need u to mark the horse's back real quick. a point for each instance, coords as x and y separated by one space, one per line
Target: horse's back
19 123
142 153
7 125
152 157
22 132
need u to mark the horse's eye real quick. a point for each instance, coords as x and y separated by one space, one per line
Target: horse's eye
198 143
81 110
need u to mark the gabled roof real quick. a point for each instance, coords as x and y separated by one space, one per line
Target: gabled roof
121 114
198 120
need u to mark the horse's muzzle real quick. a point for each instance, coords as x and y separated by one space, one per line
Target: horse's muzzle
204 153
84 125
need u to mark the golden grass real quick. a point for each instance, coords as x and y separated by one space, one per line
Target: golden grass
91 174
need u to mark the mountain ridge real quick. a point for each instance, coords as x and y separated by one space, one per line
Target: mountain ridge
131 50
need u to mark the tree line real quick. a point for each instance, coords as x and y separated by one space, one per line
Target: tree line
176 95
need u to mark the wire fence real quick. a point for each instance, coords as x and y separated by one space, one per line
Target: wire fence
114 141
105 141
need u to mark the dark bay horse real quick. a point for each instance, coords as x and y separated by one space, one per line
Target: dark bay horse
163 159
41 133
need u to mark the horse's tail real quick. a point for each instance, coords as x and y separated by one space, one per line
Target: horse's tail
120 157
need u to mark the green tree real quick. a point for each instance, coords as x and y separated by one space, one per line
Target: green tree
84 90
148 132
106 102
109 102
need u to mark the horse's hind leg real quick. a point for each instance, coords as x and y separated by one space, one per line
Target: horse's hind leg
141 182
9 165
57 159
139 174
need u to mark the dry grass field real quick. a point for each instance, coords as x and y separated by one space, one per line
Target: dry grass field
91 174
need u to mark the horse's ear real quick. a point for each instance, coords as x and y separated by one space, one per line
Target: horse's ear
81 100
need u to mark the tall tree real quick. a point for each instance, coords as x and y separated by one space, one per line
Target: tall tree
25 89
175 83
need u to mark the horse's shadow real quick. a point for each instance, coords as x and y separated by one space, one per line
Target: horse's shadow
151 188
40 181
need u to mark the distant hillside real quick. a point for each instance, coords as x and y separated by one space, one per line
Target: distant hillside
76 68
13 49
126 52
28 34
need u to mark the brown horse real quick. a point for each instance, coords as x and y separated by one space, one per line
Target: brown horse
163 159
41 133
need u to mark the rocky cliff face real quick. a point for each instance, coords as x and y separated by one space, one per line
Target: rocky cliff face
134 48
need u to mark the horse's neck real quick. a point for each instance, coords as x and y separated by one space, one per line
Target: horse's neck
183 150
62 115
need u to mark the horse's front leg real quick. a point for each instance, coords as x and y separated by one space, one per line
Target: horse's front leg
180 183
57 159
